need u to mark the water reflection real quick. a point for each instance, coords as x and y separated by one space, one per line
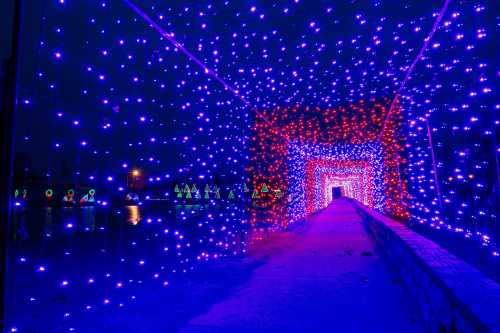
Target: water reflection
133 214
72 265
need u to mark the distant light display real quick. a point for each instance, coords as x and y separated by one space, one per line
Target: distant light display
309 164
355 182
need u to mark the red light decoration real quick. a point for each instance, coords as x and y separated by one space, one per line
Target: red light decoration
357 123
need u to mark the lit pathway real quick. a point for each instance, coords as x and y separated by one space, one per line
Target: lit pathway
331 280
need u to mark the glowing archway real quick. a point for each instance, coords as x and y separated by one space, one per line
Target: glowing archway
314 169
304 144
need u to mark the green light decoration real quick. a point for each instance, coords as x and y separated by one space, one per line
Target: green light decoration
186 188
176 190
255 194
91 195
179 195
16 193
264 188
207 195
188 193
49 193
231 195
207 188
194 189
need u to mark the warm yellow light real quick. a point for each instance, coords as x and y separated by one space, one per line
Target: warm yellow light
135 172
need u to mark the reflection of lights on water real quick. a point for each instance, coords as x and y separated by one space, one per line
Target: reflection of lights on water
134 215
219 234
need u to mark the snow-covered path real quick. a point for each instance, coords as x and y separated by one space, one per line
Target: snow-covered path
331 280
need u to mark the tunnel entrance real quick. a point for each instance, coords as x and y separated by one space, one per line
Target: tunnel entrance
308 151
337 192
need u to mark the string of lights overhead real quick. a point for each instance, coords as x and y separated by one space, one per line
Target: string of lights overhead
255 111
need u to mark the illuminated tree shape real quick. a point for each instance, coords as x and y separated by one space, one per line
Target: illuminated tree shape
188 193
179 195
16 193
207 188
264 188
255 194
217 193
207 194
245 188
194 189
187 189
177 190
231 195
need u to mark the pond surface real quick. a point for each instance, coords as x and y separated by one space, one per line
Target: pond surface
84 269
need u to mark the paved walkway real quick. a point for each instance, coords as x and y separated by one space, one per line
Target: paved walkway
330 280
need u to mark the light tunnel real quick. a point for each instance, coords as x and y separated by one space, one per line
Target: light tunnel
148 148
